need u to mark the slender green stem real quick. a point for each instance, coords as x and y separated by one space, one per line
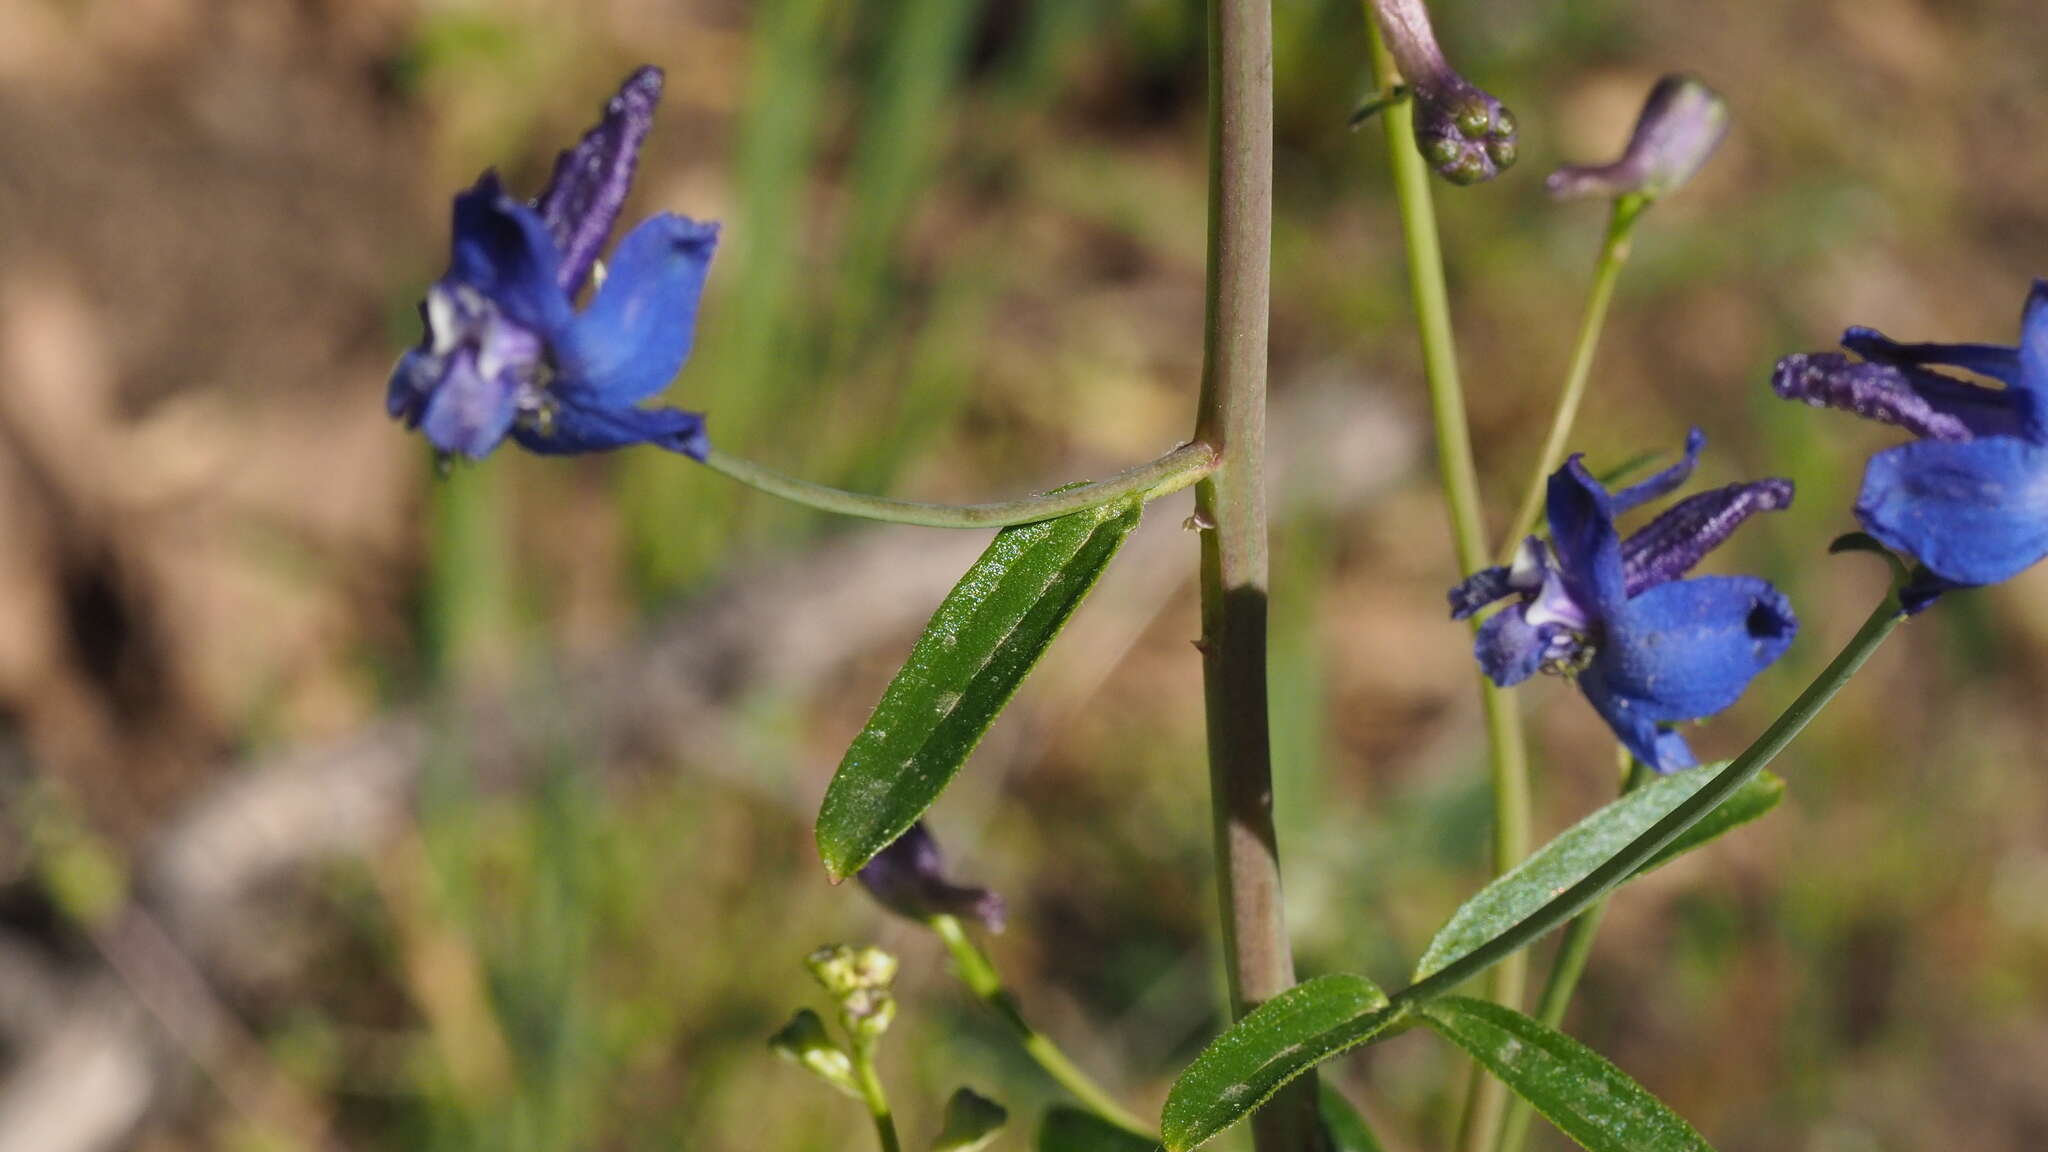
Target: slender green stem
1621 226
1642 849
1230 504
1507 755
1570 963
1169 473
978 971
871 1093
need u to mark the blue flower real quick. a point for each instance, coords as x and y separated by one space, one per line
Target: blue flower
505 351
1969 498
1647 648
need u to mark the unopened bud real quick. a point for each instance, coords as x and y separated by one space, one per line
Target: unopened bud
803 1041
833 966
1463 131
1681 124
868 1013
909 879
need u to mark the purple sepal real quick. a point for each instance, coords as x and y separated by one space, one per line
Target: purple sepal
1669 546
584 196
908 878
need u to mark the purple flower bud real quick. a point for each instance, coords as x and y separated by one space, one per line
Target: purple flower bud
1466 134
1681 124
908 877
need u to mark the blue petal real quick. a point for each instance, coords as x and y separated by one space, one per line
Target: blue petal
1686 650
1974 513
2033 379
467 414
637 333
1663 483
1582 532
406 397
1508 648
575 428
503 251
1647 740
1994 360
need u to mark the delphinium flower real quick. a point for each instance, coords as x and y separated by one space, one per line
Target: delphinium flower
909 878
1647 648
506 352
1969 498
1681 124
1462 130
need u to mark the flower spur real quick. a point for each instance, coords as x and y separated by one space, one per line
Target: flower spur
1969 497
1646 647
506 353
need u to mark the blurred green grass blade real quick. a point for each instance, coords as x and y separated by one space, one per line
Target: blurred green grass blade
985 637
1569 1084
1347 1130
973 1121
1274 1043
910 105
750 357
1580 849
1069 1129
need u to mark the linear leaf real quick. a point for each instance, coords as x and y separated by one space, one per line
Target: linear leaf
1274 1043
1565 861
1572 1086
986 635
1072 1130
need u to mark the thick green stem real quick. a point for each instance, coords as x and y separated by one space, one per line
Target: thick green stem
870 1083
978 972
1507 755
1230 504
1629 860
1168 474
1621 226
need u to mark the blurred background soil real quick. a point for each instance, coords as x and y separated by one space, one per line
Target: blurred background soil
345 805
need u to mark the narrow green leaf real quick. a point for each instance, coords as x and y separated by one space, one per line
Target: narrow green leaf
1347 1130
1073 1130
972 1122
1558 865
1572 1086
987 634
1273 1044
1750 801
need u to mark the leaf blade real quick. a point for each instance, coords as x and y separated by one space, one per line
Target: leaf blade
1574 854
1277 1041
1569 1084
984 638
1750 802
